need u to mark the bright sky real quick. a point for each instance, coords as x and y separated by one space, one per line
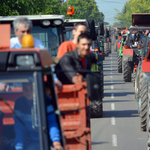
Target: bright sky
108 8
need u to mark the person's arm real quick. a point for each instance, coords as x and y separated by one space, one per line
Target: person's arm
56 80
68 68
19 129
54 132
63 48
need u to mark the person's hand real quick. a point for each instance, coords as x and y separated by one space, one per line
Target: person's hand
77 79
4 87
57 146
58 84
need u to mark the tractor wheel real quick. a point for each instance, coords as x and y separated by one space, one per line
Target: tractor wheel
109 47
102 85
144 101
148 118
106 51
140 84
102 50
116 48
133 78
137 81
126 71
96 109
119 64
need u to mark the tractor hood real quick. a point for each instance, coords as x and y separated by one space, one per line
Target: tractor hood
141 19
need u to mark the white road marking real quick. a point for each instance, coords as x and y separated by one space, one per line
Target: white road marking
112 95
111 73
114 140
113 121
112 106
112 87
111 69
111 76
111 62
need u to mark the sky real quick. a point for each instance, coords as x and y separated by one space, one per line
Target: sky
108 8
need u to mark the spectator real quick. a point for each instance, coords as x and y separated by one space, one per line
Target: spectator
68 46
73 62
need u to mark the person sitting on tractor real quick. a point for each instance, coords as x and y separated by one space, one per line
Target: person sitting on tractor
27 137
23 26
68 46
70 65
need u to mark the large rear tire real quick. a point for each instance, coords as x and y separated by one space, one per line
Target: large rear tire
144 101
106 50
96 109
148 118
133 77
109 47
127 71
137 82
119 64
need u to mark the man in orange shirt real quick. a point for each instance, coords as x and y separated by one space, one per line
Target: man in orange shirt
68 46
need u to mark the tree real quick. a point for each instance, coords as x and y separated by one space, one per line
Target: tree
84 9
30 7
130 7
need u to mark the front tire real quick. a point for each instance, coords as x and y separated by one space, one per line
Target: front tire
126 71
119 64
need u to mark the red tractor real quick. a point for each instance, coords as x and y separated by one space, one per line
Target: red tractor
133 45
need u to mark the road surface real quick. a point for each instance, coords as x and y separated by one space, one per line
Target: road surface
119 128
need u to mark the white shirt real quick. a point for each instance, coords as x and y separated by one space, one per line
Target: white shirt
14 43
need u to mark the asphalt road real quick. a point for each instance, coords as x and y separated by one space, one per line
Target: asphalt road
119 128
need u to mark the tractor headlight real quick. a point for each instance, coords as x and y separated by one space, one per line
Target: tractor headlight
46 22
57 22
25 60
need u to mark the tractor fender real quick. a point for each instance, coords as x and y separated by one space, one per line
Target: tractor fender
108 40
128 58
118 45
127 51
145 66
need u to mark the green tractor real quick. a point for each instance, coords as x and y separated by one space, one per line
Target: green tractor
120 53
106 42
100 37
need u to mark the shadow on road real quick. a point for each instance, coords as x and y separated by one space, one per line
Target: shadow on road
118 94
110 101
95 143
120 113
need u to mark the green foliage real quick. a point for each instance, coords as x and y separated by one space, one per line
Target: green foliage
29 7
130 7
83 8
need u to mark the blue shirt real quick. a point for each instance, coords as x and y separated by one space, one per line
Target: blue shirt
14 43
23 108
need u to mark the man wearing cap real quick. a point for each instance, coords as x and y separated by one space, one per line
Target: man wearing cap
23 26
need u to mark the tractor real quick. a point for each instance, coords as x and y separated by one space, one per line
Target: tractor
27 72
120 53
133 46
47 28
68 25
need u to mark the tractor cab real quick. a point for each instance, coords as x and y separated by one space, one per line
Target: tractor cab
47 28
27 96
